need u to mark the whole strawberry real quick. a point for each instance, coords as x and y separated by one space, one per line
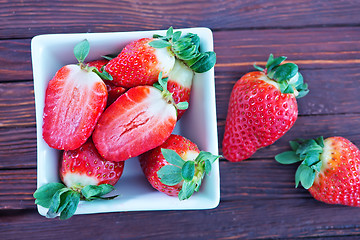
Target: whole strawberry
177 167
74 101
141 61
329 169
139 120
262 108
113 91
87 176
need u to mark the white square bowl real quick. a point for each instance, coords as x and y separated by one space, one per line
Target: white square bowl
51 52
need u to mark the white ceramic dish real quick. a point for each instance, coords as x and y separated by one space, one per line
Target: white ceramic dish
51 52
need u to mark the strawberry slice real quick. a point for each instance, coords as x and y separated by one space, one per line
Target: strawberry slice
179 83
74 101
87 176
139 120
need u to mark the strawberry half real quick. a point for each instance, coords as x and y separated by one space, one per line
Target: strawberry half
87 176
329 169
177 167
139 120
141 61
262 108
74 101
179 83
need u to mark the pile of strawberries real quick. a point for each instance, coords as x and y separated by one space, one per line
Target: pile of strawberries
104 112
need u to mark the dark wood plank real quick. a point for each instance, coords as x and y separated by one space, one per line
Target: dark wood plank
28 18
237 51
17 104
243 219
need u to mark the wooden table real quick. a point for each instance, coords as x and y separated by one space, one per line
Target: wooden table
258 198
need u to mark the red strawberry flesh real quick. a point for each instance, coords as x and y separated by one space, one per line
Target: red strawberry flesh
136 122
74 101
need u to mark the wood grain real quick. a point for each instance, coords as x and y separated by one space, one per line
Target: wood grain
237 51
273 218
24 19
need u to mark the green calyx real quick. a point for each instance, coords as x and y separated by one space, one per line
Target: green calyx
287 75
186 48
190 173
62 200
161 85
81 50
308 153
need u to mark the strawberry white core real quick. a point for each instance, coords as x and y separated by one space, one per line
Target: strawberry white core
189 155
74 179
181 74
269 81
326 156
166 60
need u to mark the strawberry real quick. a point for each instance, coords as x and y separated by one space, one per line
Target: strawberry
113 91
262 108
87 176
329 169
74 101
179 83
177 167
141 61
139 120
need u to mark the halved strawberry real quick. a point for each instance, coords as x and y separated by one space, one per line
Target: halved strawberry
74 100
87 176
177 167
141 61
179 83
139 120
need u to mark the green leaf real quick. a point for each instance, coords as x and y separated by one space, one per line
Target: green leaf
274 62
170 175
157 36
320 141
65 198
159 44
204 62
187 190
158 86
294 145
206 156
302 93
81 50
103 75
194 38
207 166
94 190
172 157
55 203
169 33
285 72
308 146
110 56
288 157
317 166
71 206
44 194
188 170
289 89
307 177
258 68
270 60
176 36
182 105
311 158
